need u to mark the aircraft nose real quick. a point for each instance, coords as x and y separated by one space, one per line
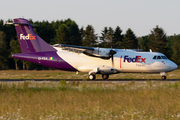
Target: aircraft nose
173 66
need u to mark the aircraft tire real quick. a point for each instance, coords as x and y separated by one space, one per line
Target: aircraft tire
163 77
105 76
92 77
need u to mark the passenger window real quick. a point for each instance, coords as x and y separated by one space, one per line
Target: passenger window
158 57
154 57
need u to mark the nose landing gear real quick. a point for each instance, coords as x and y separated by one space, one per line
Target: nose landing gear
163 75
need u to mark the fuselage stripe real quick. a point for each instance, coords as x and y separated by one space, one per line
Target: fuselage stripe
120 60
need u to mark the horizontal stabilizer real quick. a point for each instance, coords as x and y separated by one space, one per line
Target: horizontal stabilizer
10 23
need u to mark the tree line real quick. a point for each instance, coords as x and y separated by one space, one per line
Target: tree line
68 32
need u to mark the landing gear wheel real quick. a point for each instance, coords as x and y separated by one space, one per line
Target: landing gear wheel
163 77
105 76
92 77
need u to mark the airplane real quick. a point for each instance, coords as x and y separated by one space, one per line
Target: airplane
92 60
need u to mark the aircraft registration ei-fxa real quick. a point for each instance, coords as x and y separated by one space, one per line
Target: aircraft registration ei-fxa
92 60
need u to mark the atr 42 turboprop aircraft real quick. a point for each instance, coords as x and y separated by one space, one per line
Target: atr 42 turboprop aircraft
92 60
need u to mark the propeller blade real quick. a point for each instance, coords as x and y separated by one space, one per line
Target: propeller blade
112 61
111 53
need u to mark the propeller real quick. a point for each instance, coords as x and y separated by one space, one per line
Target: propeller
111 54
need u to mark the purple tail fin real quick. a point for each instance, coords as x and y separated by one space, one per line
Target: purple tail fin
29 41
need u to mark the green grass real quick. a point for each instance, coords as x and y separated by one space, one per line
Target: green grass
56 74
86 100
82 100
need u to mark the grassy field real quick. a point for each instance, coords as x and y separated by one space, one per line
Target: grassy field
57 74
90 101
151 100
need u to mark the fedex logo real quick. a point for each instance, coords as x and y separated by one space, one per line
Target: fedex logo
28 37
135 59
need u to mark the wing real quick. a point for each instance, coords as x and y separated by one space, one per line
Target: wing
103 53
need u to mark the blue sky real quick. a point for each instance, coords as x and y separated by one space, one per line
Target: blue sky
139 15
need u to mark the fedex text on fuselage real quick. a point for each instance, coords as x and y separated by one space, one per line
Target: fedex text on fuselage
138 59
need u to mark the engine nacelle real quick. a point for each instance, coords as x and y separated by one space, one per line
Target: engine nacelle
103 52
107 70
100 69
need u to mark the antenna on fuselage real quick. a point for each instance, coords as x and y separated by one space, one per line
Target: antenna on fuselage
138 45
150 50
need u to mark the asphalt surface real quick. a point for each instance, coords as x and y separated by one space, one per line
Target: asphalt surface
16 80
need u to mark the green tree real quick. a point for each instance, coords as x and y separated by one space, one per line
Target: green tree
143 43
62 34
3 51
104 37
110 38
129 41
1 25
74 34
117 38
157 40
44 30
169 44
82 34
15 48
68 33
10 32
90 37
176 49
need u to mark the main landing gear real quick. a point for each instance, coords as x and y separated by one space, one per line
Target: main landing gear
93 76
105 76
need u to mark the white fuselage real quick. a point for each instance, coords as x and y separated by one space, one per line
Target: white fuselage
124 61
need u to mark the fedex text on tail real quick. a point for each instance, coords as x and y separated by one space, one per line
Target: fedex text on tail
28 37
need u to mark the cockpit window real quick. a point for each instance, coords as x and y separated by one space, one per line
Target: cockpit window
154 57
163 57
159 57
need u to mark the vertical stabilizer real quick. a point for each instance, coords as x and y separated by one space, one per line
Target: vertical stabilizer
29 41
